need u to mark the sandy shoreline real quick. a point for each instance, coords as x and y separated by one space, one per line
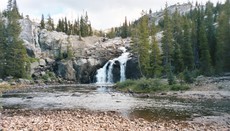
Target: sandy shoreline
82 120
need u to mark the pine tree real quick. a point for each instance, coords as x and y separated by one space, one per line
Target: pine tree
177 61
222 56
59 28
76 28
112 33
219 54
16 58
90 30
50 24
187 51
62 25
167 41
195 25
15 9
42 23
205 58
177 28
83 27
79 29
155 56
124 29
66 26
211 32
70 28
143 45
177 58
2 46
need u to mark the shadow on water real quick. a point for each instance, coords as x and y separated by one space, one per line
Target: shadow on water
154 114
106 99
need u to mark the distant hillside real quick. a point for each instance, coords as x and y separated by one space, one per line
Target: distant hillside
181 8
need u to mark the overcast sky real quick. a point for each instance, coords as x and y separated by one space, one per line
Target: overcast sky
103 14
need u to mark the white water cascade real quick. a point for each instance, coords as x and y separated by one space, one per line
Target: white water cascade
105 74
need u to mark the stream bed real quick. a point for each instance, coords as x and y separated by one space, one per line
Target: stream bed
107 99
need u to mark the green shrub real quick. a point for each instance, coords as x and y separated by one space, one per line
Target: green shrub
188 76
177 87
171 79
45 77
195 73
126 83
144 85
31 59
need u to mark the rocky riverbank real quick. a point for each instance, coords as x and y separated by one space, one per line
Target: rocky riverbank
203 88
87 120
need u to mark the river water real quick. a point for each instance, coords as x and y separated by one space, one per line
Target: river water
106 99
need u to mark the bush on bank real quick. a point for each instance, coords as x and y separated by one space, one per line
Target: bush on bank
145 85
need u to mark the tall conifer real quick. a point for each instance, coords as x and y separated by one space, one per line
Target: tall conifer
167 41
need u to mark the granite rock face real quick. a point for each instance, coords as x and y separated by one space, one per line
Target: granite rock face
50 50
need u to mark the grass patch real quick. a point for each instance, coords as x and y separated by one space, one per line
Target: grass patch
5 87
144 85
177 87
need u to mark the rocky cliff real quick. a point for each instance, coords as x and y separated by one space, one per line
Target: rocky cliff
49 49
181 8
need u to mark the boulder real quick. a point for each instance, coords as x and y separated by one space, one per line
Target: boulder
80 68
132 69
33 67
116 71
9 78
42 62
29 49
66 70
13 83
49 61
39 82
52 40
23 81
43 73
86 69
93 62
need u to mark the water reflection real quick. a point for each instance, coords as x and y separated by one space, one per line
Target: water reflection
106 99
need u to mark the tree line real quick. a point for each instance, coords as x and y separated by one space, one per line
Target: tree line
81 27
13 57
197 42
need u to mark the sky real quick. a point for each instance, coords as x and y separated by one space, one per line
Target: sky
103 14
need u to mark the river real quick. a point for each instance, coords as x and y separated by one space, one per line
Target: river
107 99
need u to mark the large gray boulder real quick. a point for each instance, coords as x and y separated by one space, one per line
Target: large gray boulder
65 70
33 66
42 63
132 69
85 69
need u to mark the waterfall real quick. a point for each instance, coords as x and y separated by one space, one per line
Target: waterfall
105 74
110 73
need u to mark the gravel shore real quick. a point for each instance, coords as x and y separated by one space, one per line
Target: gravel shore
81 120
